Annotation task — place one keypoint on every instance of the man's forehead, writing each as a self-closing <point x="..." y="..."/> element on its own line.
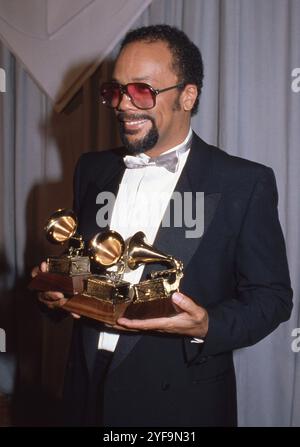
<point x="145" y="50"/>
<point x="143" y="60"/>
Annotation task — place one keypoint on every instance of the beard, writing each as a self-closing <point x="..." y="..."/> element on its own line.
<point x="140" y="145"/>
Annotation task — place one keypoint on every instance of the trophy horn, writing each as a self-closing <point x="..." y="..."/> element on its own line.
<point x="107" y="248"/>
<point x="61" y="226"/>
<point x="140" y="252"/>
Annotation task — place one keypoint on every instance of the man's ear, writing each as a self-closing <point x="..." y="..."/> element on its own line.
<point x="189" y="96"/>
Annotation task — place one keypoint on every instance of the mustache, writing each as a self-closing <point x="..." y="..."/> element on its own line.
<point x="123" y="116"/>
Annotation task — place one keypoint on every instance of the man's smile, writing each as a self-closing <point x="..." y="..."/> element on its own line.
<point x="133" y="123"/>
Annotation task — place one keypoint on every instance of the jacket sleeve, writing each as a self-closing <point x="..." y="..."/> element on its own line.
<point x="58" y="315"/>
<point x="264" y="295"/>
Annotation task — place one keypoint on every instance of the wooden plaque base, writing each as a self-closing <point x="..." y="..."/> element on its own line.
<point x="108" y="312"/>
<point x="69" y="285"/>
<point x="104" y="310"/>
<point x="161" y="307"/>
<point x="100" y="310"/>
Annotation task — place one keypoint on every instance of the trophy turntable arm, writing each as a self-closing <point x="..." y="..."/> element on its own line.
<point x="172" y="274"/>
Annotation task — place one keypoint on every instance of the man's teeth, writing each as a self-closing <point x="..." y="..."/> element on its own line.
<point x="133" y="123"/>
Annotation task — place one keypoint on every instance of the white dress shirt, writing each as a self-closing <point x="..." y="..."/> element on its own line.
<point x="140" y="205"/>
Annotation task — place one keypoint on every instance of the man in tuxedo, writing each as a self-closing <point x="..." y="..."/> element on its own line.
<point x="174" y="371"/>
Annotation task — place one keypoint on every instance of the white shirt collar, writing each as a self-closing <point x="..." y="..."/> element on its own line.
<point x="175" y="148"/>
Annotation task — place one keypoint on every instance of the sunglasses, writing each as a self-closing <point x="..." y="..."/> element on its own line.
<point x="142" y="95"/>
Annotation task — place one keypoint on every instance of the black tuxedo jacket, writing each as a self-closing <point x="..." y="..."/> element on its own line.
<point x="237" y="270"/>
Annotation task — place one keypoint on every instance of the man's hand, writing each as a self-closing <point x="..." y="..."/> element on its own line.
<point x="51" y="299"/>
<point x="192" y="319"/>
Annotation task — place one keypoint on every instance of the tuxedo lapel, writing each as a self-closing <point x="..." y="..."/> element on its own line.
<point x="197" y="177"/>
<point x="125" y="345"/>
<point x="107" y="181"/>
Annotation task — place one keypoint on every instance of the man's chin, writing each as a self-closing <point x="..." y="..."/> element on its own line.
<point x="133" y="145"/>
<point x="137" y="133"/>
<point x="137" y="146"/>
<point x="137" y="142"/>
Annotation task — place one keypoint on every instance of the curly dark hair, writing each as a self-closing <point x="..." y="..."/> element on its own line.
<point x="187" y="59"/>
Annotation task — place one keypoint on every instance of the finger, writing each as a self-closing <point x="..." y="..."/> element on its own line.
<point x="51" y="296"/>
<point x="177" y="309"/>
<point x="52" y="299"/>
<point x="120" y="328"/>
<point x="148" y="324"/>
<point x="35" y="271"/>
<point x="184" y="303"/>
<point x="54" y="304"/>
<point x="43" y="267"/>
<point x="76" y="316"/>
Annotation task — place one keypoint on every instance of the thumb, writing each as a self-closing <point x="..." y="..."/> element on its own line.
<point x="43" y="266"/>
<point x="184" y="302"/>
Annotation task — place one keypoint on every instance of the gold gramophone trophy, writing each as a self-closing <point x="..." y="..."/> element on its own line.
<point x="106" y="297"/>
<point x="65" y="273"/>
<point x="152" y="297"/>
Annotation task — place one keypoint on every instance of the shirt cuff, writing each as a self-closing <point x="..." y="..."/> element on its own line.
<point x="197" y="340"/>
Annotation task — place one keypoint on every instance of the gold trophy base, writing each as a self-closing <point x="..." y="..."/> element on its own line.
<point x="69" y="265"/>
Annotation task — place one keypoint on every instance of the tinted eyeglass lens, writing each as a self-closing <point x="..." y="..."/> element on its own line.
<point x="141" y="95"/>
<point x="111" y="94"/>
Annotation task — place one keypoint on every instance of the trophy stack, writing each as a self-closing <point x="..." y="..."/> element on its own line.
<point x="91" y="275"/>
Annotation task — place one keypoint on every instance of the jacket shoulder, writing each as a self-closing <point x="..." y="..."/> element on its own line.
<point x="94" y="167"/>
<point x="234" y="171"/>
<point x="97" y="160"/>
<point x="234" y="165"/>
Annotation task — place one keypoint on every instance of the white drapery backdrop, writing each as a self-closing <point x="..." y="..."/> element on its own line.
<point x="73" y="35"/>
<point x="248" y="108"/>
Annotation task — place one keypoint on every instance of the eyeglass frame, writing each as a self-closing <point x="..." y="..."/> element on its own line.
<point x="123" y="90"/>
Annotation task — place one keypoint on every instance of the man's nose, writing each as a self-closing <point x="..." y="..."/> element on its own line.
<point x="125" y="102"/>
